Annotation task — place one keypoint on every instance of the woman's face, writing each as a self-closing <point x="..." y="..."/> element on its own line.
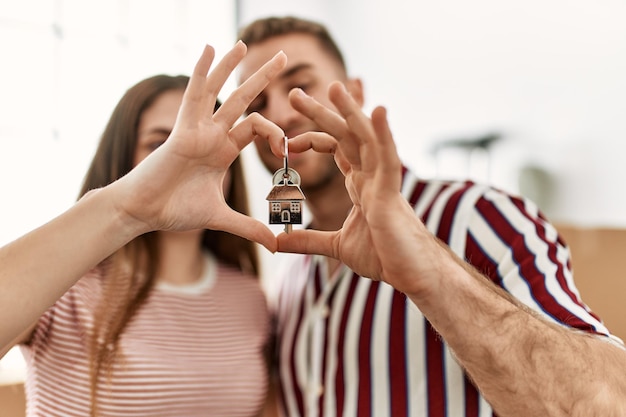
<point x="156" y="123"/>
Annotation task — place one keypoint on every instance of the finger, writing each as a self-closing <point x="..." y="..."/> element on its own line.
<point x="200" y="71"/>
<point x="218" y="76"/>
<point x="248" y="228"/>
<point x="202" y="91"/>
<point x="240" y="99"/>
<point x="308" y="241"/>
<point x="252" y="126"/>
<point x="363" y="134"/>
<point x="194" y="92"/>
<point x="328" y="120"/>
<point x="356" y="120"/>
<point x="389" y="176"/>
<point x="342" y="162"/>
<point x="318" y="141"/>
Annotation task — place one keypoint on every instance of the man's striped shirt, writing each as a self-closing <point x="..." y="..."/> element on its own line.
<point x="349" y="346"/>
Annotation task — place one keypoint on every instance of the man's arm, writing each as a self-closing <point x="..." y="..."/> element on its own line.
<point x="522" y="364"/>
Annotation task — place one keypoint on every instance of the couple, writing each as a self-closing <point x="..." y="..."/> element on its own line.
<point x="141" y="299"/>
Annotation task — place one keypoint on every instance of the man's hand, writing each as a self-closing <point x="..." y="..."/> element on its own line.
<point x="382" y="236"/>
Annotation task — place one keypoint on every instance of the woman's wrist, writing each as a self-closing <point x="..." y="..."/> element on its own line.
<point x="111" y="211"/>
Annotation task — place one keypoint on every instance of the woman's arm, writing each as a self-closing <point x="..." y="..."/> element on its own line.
<point x="37" y="268"/>
<point x="177" y="187"/>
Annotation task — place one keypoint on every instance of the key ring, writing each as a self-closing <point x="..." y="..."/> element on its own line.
<point x="286" y="158"/>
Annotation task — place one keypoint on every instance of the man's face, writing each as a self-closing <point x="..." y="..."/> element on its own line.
<point x="309" y="68"/>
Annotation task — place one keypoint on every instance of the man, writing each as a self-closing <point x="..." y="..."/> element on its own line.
<point x="427" y="333"/>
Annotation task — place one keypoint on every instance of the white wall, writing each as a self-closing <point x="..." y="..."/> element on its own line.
<point x="65" y="64"/>
<point x="549" y="75"/>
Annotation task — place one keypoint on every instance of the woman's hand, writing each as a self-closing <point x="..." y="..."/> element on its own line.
<point x="179" y="186"/>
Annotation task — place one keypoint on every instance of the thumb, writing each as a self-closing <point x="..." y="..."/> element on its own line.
<point x="251" y="229"/>
<point x="308" y="241"/>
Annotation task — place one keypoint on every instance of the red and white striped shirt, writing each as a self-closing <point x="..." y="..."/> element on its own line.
<point x="195" y="350"/>
<point x="349" y="346"/>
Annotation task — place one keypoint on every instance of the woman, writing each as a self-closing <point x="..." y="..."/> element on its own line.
<point x="174" y="322"/>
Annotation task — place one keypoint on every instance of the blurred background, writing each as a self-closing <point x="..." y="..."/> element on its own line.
<point x="527" y="95"/>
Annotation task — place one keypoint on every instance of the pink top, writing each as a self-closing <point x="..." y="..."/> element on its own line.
<point x="195" y="350"/>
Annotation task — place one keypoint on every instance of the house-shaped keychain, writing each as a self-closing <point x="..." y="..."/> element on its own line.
<point x="285" y="199"/>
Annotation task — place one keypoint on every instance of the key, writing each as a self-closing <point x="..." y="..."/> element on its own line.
<point x="286" y="198"/>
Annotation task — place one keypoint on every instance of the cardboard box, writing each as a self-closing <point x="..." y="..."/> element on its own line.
<point x="12" y="400"/>
<point x="599" y="266"/>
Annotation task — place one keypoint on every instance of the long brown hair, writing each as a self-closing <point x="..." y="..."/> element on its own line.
<point x="129" y="274"/>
